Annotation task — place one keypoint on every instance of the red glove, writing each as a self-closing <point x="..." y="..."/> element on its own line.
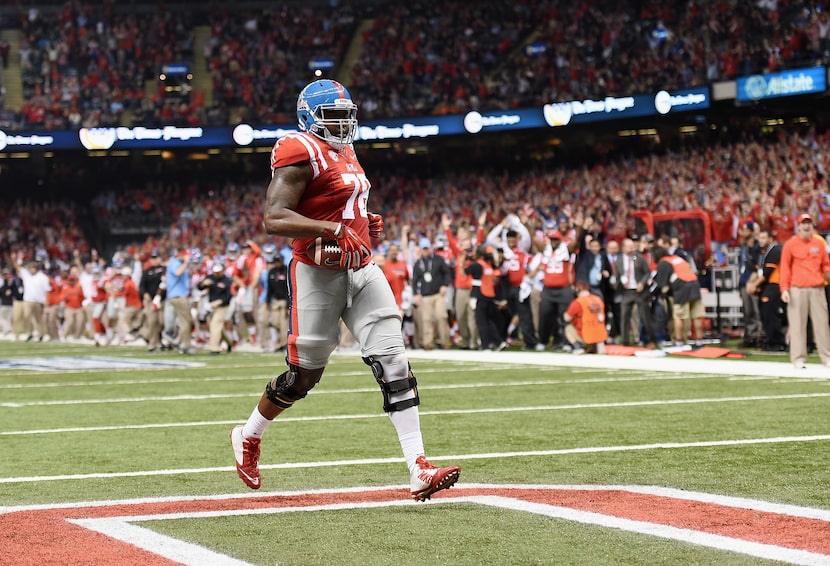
<point x="375" y="226"/>
<point x="353" y="248"/>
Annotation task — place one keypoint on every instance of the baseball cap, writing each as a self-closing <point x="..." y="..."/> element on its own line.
<point x="805" y="218"/>
<point x="554" y="234"/>
<point x="217" y="267"/>
<point x="564" y="218"/>
<point x="154" y="252"/>
<point x="424" y="243"/>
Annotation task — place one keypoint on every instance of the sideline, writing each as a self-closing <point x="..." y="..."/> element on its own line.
<point x="633" y="363"/>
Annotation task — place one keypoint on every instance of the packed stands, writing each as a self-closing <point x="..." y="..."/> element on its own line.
<point x="92" y="65"/>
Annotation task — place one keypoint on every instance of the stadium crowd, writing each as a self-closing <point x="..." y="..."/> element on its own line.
<point x="509" y="223"/>
<point x="90" y="64"/>
<point x="477" y="259"/>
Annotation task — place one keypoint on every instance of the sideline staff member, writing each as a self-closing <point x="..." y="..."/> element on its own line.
<point x="805" y="268"/>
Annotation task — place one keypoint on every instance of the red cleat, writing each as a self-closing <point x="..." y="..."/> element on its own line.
<point x="246" y="453"/>
<point x="429" y="478"/>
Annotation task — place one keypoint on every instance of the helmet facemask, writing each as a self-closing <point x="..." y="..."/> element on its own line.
<point x="326" y="110"/>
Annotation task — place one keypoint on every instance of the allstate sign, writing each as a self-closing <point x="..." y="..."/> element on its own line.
<point x="794" y="82"/>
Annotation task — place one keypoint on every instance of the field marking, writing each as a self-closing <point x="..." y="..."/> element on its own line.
<point x="165" y="546"/>
<point x="508" y="497"/>
<point x="221" y="378"/>
<point x="699" y="538"/>
<point x="279" y="363"/>
<point x="442" y="387"/>
<point x="671" y="492"/>
<point x="358" y="416"/>
<point x="634" y="376"/>
<point x="454" y="457"/>
<point x="670" y="364"/>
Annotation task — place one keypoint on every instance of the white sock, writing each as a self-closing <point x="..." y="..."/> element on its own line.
<point x="256" y="425"/>
<point x="408" y="425"/>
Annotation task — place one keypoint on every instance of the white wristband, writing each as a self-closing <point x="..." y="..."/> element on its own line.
<point x="339" y="230"/>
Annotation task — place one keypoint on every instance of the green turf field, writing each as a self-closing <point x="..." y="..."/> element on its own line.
<point x="88" y="426"/>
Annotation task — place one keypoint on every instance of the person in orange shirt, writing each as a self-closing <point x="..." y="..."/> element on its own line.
<point x="461" y="248"/>
<point x="51" y="312"/>
<point x="129" y="319"/>
<point x="483" y="297"/>
<point x="246" y="276"/>
<point x="396" y="272"/>
<point x="72" y="297"/>
<point x="585" y="320"/>
<point x="805" y="268"/>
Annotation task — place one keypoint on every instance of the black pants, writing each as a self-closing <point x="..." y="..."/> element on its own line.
<point x="772" y="316"/>
<point x="487" y="321"/>
<point x="555" y="301"/>
<point x="642" y="301"/>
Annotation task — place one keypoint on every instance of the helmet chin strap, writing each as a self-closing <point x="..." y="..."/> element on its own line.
<point x="337" y="142"/>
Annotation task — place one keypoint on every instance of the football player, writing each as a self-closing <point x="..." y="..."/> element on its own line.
<point x="318" y="196"/>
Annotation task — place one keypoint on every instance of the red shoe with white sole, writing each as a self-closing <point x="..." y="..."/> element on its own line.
<point x="246" y="453"/>
<point x="429" y="478"/>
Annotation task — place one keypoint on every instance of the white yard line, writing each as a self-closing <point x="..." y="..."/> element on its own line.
<point x="672" y="364"/>
<point x="486" y="410"/>
<point x="123" y="529"/>
<point x="454" y="457"/>
<point x="26" y="384"/>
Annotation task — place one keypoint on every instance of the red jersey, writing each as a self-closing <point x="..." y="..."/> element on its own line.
<point x="558" y="268"/>
<point x="462" y="280"/>
<point x="338" y="190"/>
<point x="249" y="266"/>
<point x="131" y="296"/>
<point x="72" y="295"/>
<point x="101" y="295"/>
<point x="53" y="296"/>
<point x="397" y="273"/>
<point x="516" y="268"/>
<point x="783" y="226"/>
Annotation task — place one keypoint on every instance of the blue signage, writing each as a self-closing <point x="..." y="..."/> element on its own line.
<point x="322" y="64"/>
<point x="550" y="115"/>
<point x="616" y="108"/>
<point x="794" y="82"/>
<point x="175" y="69"/>
<point x="534" y="49"/>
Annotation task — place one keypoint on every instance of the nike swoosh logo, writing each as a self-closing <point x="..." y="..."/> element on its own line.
<point x="254" y="481"/>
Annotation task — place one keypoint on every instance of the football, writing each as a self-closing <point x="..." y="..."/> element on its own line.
<point x="325" y="253"/>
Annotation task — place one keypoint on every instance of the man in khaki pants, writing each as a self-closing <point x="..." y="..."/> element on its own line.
<point x="805" y="269"/>
<point x="35" y="287"/>
<point x="431" y="278"/>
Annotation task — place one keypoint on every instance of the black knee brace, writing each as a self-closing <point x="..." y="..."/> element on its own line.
<point x="392" y="387"/>
<point x="282" y="391"/>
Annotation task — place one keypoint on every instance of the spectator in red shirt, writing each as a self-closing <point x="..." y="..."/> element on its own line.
<point x="130" y="316"/>
<point x="397" y="273"/>
<point x="72" y="297"/>
<point x="52" y="309"/>
<point x="805" y="269"/>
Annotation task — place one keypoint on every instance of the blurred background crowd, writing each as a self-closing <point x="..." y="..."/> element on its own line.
<point x="89" y="64"/>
